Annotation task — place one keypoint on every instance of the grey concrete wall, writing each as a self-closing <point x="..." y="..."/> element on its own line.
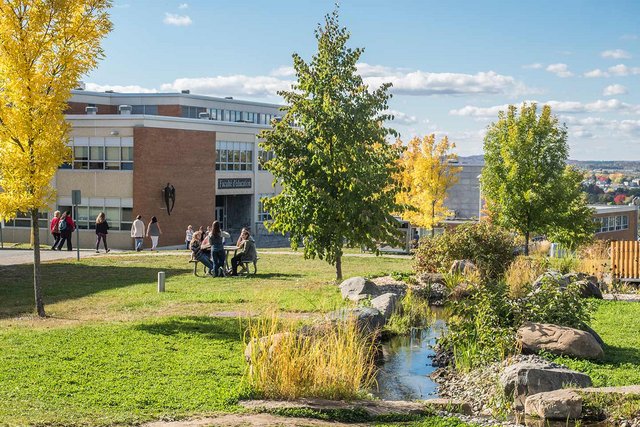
<point x="464" y="197"/>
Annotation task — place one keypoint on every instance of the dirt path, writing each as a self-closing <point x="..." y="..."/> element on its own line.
<point x="250" y="420"/>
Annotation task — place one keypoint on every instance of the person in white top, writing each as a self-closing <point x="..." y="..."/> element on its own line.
<point x="137" y="232"/>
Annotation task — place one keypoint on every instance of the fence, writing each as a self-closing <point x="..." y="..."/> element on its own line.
<point x="625" y="259"/>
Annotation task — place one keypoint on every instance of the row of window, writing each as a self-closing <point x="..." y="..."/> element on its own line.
<point x="263" y="215"/>
<point x="101" y="153"/>
<point x="234" y="156"/>
<point x="611" y="223"/>
<point x="118" y="218"/>
<point x="225" y="115"/>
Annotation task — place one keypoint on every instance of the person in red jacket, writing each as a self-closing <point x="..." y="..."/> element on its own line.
<point x="55" y="231"/>
<point x="66" y="227"/>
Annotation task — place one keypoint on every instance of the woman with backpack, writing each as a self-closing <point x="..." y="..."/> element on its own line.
<point x="55" y="230"/>
<point x="102" y="229"/>
<point x="66" y="227"/>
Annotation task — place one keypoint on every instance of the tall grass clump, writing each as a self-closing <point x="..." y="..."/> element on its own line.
<point x="332" y="361"/>
<point x="522" y="272"/>
<point x="565" y="264"/>
<point x="595" y="259"/>
<point x="411" y="312"/>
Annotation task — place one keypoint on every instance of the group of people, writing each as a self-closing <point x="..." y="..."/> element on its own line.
<point x="208" y="248"/>
<point x="153" y="231"/>
<point x="62" y="226"/>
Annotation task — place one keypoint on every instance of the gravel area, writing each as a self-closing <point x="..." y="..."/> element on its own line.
<point x="622" y="297"/>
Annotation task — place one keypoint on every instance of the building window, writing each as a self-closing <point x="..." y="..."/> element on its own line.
<point x="234" y="156"/>
<point x="190" y="112"/>
<point x="149" y="110"/>
<point x="119" y="218"/>
<point x="263" y="157"/>
<point x="23" y="220"/>
<point x="98" y="153"/>
<point x="612" y="223"/>
<point x="263" y="215"/>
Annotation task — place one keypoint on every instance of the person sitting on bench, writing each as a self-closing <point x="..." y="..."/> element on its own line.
<point x="198" y="253"/>
<point x="247" y="251"/>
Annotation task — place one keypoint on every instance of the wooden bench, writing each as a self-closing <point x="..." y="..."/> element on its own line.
<point x="195" y="267"/>
<point x="245" y="265"/>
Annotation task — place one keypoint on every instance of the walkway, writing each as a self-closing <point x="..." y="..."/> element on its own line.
<point x="25" y="256"/>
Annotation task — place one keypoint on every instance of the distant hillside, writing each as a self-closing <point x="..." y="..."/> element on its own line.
<point x="609" y="165"/>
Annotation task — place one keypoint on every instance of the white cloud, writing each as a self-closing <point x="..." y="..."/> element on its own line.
<point x="183" y="6"/>
<point x="596" y="73"/>
<point x="177" y="20"/>
<point x="556" y="106"/>
<point x="259" y="86"/>
<point x="94" y="87"/>
<point x="616" y="89"/>
<point x="560" y="70"/>
<point x="615" y="54"/>
<point x="623" y="70"/>
<point x="534" y="66"/>
<point x="402" y="118"/>
<point x="284" y="71"/>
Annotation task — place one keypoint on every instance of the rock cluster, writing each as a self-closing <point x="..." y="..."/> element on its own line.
<point x="589" y="286"/>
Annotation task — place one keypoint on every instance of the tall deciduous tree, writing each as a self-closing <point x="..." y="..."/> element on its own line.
<point x="427" y="172"/>
<point x="525" y="180"/>
<point x="331" y="155"/>
<point x="46" y="46"/>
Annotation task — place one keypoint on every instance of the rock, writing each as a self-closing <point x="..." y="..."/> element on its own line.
<point x="463" y="266"/>
<point x="525" y="379"/>
<point x="461" y="291"/>
<point x="367" y="318"/>
<point x="560" y="340"/>
<point x="270" y="342"/>
<point x="589" y="290"/>
<point x="385" y="304"/>
<point x="597" y="337"/>
<point x="555" y="405"/>
<point x="450" y="405"/>
<point x="551" y="275"/>
<point x="357" y="288"/>
<point x="588" y="284"/>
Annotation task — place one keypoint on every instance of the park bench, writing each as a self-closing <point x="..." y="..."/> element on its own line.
<point x="245" y="267"/>
<point x="195" y="267"/>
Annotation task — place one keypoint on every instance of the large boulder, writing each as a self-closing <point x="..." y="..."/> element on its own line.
<point x="431" y="287"/>
<point x="358" y="288"/>
<point x="524" y="379"/>
<point x="589" y="286"/>
<point x="560" y="340"/>
<point x="463" y="266"/>
<point x="554" y="405"/>
<point x="385" y="304"/>
<point x="367" y="318"/>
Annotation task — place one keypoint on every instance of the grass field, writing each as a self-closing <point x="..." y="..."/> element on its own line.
<point x="114" y="351"/>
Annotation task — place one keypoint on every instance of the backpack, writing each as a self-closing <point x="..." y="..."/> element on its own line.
<point x="62" y="225"/>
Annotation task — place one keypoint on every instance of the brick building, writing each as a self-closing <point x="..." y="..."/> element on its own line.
<point x="127" y="147"/>
<point x="616" y="222"/>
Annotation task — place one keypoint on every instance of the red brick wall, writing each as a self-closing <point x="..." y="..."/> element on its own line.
<point x="170" y="110"/>
<point x="79" y="108"/>
<point x="186" y="160"/>
<point x="629" y="234"/>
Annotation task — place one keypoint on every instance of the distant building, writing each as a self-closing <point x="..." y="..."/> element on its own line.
<point x="616" y="222"/>
<point x="463" y="199"/>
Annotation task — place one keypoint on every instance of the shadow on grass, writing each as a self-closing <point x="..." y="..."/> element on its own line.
<point x="214" y="328"/>
<point x="67" y="281"/>
<point x="615" y="355"/>
<point x="274" y="275"/>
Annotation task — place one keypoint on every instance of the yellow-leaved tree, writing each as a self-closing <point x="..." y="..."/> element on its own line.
<point x="46" y="46"/>
<point x="427" y="172"/>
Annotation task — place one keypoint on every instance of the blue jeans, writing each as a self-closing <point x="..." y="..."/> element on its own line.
<point x="204" y="259"/>
<point x="139" y="241"/>
<point x="218" y="260"/>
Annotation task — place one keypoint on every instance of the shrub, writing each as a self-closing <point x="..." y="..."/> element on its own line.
<point x="333" y="362"/>
<point x="411" y="312"/>
<point x="595" y="259"/>
<point x="522" y="272"/>
<point x="565" y="264"/>
<point x="490" y="248"/>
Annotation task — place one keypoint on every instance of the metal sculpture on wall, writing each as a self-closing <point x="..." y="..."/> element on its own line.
<point x="169" y="193"/>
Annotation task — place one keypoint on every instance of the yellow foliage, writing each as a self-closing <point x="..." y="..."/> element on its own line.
<point x="47" y="46"/>
<point x="426" y="174"/>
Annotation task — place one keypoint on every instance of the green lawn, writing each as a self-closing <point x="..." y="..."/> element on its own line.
<point x="618" y="323"/>
<point x="114" y="351"/>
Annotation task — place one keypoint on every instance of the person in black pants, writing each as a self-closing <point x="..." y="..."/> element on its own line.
<point x="66" y="227"/>
<point x="102" y="229"/>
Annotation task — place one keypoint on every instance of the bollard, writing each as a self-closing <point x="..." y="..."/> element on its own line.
<point x="160" y="281"/>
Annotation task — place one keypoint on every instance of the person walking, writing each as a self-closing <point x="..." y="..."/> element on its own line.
<point x="66" y="225"/>
<point x="137" y="232"/>
<point x="154" y="231"/>
<point x="188" y="236"/>
<point x="55" y="230"/>
<point x="102" y="229"/>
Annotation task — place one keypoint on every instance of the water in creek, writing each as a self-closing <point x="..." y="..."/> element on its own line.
<point x="406" y="365"/>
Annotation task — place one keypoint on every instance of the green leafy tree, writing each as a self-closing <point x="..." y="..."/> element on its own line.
<point x="525" y="180"/>
<point x="331" y="155"/>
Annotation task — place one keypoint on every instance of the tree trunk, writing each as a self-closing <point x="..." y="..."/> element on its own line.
<point x="35" y="236"/>
<point x="433" y="218"/>
<point x="339" y="267"/>
<point x="526" y="243"/>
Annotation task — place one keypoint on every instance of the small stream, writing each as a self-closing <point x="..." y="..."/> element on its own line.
<point x="406" y="365"/>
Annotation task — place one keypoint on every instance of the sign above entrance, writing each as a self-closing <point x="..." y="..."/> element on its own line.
<point x="229" y="183"/>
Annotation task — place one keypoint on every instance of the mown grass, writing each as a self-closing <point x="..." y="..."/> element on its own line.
<point x="123" y="287"/>
<point x="618" y="324"/>
<point x="120" y="373"/>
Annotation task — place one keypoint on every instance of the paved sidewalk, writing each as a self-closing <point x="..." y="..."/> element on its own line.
<point x="25" y="256"/>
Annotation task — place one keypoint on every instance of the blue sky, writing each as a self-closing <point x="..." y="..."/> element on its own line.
<point x="453" y="64"/>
